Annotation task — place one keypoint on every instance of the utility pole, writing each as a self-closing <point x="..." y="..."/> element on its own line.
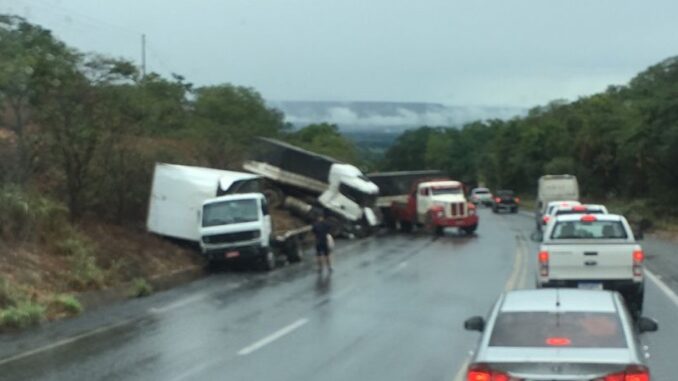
<point x="143" y="55"/>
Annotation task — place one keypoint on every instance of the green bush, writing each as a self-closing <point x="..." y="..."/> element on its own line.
<point x="141" y="288"/>
<point x="22" y="315"/>
<point x="28" y="217"/>
<point x="85" y="273"/>
<point x="9" y="295"/>
<point x="67" y="303"/>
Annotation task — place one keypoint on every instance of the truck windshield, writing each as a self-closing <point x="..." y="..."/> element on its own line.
<point x="565" y="329"/>
<point x="446" y="190"/>
<point x="230" y="212"/>
<point x="589" y="230"/>
<point x="359" y="197"/>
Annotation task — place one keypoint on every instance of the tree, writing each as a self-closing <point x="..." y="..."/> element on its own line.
<point x="226" y="119"/>
<point x="77" y="118"/>
<point x="325" y="138"/>
<point x="31" y="57"/>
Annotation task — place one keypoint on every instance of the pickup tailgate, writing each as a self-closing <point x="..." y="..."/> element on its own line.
<point x="591" y="261"/>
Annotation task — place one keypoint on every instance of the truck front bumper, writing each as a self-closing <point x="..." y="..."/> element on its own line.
<point x="456" y="222"/>
<point x="235" y="253"/>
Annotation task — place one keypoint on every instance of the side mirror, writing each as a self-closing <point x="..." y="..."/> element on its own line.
<point x="476" y="323"/>
<point x="647" y="325"/>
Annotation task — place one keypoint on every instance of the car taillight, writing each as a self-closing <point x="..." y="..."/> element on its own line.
<point x="545" y="219"/>
<point x="497" y="199"/>
<point x="638" y="259"/>
<point x="544" y="263"/>
<point x="632" y="373"/>
<point x="517" y="200"/>
<point x="488" y="375"/>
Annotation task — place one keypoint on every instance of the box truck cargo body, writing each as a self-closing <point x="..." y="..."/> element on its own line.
<point x="223" y="212"/>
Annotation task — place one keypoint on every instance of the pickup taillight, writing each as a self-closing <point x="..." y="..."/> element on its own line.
<point x="638" y="259"/>
<point x="543" y="263"/>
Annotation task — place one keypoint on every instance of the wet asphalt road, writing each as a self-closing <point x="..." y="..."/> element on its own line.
<point x="393" y="310"/>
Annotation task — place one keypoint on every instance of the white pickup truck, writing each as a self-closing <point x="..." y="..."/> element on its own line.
<point x="593" y="251"/>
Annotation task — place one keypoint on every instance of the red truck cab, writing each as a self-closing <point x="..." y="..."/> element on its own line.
<point x="437" y="204"/>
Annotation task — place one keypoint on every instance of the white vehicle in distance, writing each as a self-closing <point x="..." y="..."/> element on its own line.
<point x="559" y="334"/>
<point x="594" y="251"/>
<point x="580" y="209"/>
<point x="552" y="188"/>
<point x="551" y="208"/>
<point x="481" y="196"/>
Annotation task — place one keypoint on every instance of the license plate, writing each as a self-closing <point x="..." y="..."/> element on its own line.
<point x="232" y="254"/>
<point x="590" y="285"/>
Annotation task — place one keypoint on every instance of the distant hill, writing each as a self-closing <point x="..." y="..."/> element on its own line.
<point x="388" y="117"/>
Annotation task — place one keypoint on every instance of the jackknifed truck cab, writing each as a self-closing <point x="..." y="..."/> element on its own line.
<point x="315" y="183"/>
<point x="221" y="212"/>
<point x="436" y="204"/>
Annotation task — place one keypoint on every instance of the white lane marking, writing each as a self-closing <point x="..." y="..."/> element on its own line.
<point x="662" y="286"/>
<point x="190" y="374"/>
<point x="400" y="266"/>
<point x="514" y="278"/>
<point x="178" y="304"/>
<point x="63" y="342"/>
<point x="273" y="337"/>
<point x="461" y="373"/>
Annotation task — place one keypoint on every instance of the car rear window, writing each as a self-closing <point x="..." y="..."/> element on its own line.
<point x="589" y="230"/>
<point x="482" y="191"/>
<point x="565" y="330"/>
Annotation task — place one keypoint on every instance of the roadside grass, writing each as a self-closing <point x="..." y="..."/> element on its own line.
<point x="22" y="315"/>
<point x="64" y="305"/>
<point x="140" y="288"/>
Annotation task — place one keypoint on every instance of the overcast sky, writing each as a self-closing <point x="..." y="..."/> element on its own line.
<point x="472" y="52"/>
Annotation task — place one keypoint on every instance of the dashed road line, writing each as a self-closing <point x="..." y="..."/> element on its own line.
<point x="272" y="337"/>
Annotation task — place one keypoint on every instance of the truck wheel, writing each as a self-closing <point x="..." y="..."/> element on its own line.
<point x="405" y="226"/>
<point x="440" y="231"/>
<point x="268" y="261"/>
<point x="635" y="303"/>
<point x="470" y="229"/>
<point x="274" y="196"/>
<point x="295" y="251"/>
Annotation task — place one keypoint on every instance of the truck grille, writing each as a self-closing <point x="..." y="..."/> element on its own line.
<point x="456" y="209"/>
<point x="231" y="237"/>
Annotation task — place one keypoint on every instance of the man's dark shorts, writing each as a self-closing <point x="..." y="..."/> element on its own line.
<point x="321" y="249"/>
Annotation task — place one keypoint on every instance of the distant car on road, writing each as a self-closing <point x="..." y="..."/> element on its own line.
<point x="550" y="209"/>
<point x="505" y="199"/>
<point x="597" y="251"/>
<point x="559" y="334"/>
<point x="481" y="196"/>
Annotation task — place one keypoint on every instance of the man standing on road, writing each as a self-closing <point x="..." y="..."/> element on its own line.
<point x="321" y="230"/>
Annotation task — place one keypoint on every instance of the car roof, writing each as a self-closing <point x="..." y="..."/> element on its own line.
<point x="481" y="189"/>
<point x="599" y="217"/>
<point x="558" y="300"/>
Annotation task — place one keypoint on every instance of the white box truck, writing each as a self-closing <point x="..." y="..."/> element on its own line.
<point x="221" y="211"/>
<point x="554" y="188"/>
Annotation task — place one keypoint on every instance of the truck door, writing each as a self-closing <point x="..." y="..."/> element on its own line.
<point x="423" y="202"/>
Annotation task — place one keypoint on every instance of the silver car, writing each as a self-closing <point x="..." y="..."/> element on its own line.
<point x="559" y="334"/>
